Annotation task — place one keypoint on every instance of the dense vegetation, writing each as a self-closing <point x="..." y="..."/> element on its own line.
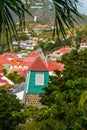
<point x="65" y="98"/>
<point x="63" y="18"/>
<point x="10" y="111"/>
<point x="15" y="77"/>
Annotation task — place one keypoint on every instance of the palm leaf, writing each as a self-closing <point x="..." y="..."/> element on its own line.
<point x="83" y="100"/>
<point x="6" y="18"/>
<point x="65" y="10"/>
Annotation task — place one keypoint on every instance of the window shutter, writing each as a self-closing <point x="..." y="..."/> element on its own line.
<point x="39" y="79"/>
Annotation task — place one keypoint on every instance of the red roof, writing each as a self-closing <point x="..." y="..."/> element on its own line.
<point x="1" y="68"/>
<point x="4" y="82"/>
<point x="22" y="72"/>
<point x="33" y="54"/>
<point x="54" y="66"/>
<point x="29" y="60"/>
<point x="38" y="65"/>
<point x="22" y="61"/>
<point x="65" y="49"/>
<point x="42" y="26"/>
<point x="3" y="59"/>
<point x="17" y="62"/>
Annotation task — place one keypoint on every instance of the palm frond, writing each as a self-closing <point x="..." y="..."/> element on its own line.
<point x="65" y="10"/>
<point x="83" y="100"/>
<point x="7" y="7"/>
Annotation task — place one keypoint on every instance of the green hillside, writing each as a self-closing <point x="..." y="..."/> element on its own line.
<point x="45" y="12"/>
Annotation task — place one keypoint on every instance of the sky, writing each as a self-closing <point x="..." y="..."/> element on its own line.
<point x="83" y="8"/>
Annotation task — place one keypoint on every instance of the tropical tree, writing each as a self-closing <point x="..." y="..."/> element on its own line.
<point x="7" y="22"/>
<point x="10" y="109"/>
<point x="65" y="10"/>
<point x="15" y="77"/>
<point x="66" y="95"/>
<point x="64" y="15"/>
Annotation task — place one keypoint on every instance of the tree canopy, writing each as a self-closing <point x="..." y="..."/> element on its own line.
<point x="10" y="111"/>
<point x="64" y="94"/>
<point x="65" y="97"/>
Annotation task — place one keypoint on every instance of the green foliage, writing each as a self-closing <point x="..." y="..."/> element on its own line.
<point x="15" y="77"/>
<point x="82" y="103"/>
<point x="23" y="37"/>
<point x="49" y="124"/>
<point x="48" y="46"/>
<point x="7" y="21"/>
<point x="31" y="112"/>
<point x="81" y="34"/>
<point x="67" y="91"/>
<point x="64" y="97"/>
<point x="4" y="71"/>
<point x="29" y="126"/>
<point x="64" y="15"/>
<point x="9" y="105"/>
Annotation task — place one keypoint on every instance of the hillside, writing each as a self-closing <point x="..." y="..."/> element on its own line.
<point x="45" y="13"/>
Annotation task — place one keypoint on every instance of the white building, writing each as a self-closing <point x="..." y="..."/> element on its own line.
<point x="83" y="45"/>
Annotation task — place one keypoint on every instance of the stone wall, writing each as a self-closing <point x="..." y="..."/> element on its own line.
<point x="32" y="99"/>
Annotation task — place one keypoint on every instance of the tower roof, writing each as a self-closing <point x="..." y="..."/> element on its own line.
<point x="38" y="65"/>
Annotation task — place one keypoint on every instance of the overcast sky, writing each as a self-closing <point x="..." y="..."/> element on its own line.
<point x="83" y="9"/>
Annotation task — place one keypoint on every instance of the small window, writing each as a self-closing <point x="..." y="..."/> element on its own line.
<point x="82" y="44"/>
<point x="39" y="79"/>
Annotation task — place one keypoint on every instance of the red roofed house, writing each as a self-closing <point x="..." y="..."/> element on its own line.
<point x="1" y="69"/>
<point x="54" y="66"/>
<point x="39" y="27"/>
<point x="3" y="60"/>
<point x="83" y="45"/>
<point x="62" y="51"/>
<point x="21" y="65"/>
<point x="37" y="78"/>
<point x="33" y="54"/>
<point x="4" y="81"/>
<point x="28" y="44"/>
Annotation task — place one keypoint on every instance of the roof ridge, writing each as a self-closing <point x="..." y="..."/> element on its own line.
<point x="38" y="65"/>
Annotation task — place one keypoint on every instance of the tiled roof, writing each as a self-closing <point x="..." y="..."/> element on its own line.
<point x="38" y="65"/>
<point x="22" y="72"/>
<point x="54" y="66"/>
<point x="1" y="66"/>
<point x="64" y="49"/>
<point x="22" y="61"/>
<point x="42" y="26"/>
<point x="33" y="54"/>
<point x="3" y="59"/>
<point x="17" y="62"/>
